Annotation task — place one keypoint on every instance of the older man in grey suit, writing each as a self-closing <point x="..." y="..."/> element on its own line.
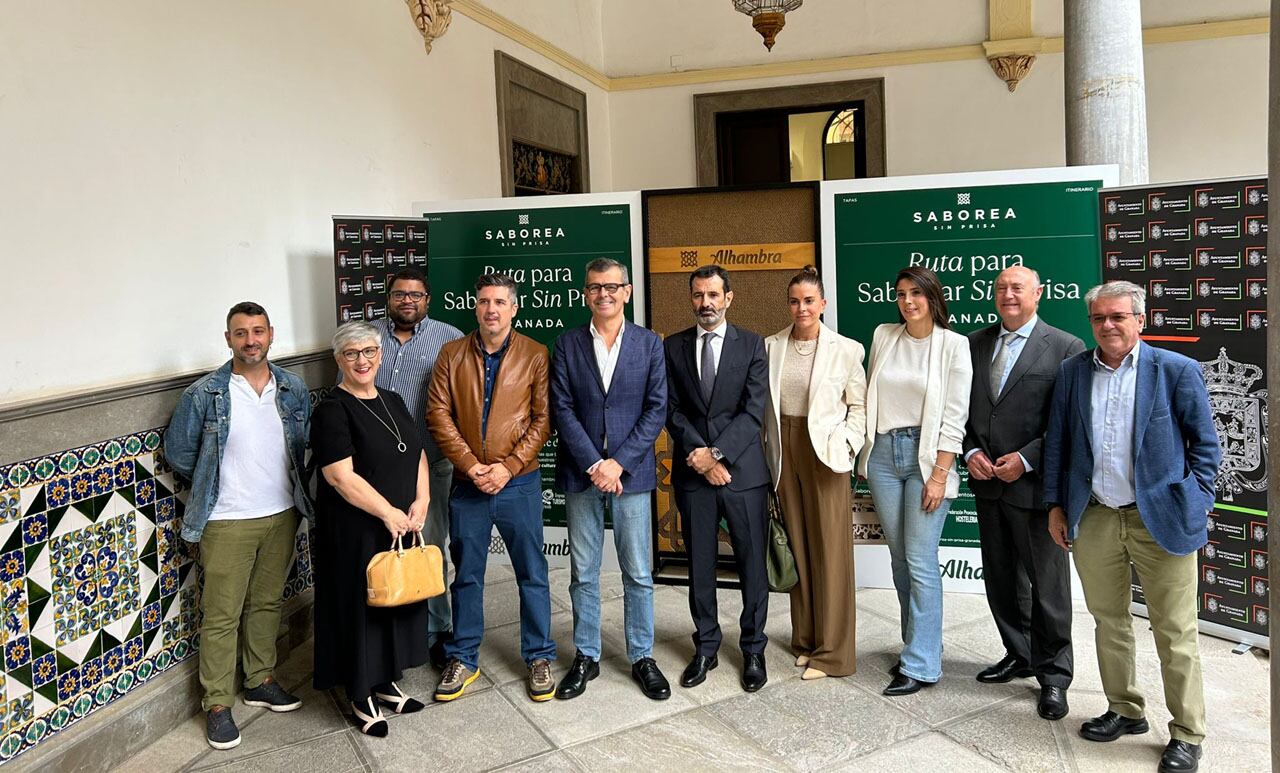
<point x="1015" y="365"/>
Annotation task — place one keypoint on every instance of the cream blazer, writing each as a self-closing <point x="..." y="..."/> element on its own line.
<point x="946" y="398"/>
<point x="837" y="400"/>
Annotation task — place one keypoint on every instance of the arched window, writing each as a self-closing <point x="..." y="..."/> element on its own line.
<point x="840" y="128"/>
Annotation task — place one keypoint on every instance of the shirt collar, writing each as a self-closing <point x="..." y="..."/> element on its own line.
<point x="596" y="333"/>
<point x="1131" y="357"/>
<point x="1025" y="330"/>
<point x="501" y="349"/>
<point x="718" y="330"/>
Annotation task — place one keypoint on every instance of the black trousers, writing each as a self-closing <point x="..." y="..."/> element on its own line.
<point x="1016" y="547"/>
<point x="701" y="509"/>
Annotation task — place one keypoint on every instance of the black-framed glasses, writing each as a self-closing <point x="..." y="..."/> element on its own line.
<point x="411" y="295"/>
<point x="595" y="288"/>
<point x="1115" y="319"/>
<point x="369" y="352"/>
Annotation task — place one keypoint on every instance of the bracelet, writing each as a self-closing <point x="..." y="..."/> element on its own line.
<point x="935" y="480"/>
<point x="940" y="467"/>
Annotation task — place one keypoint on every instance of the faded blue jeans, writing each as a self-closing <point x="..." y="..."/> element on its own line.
<point x="893" y="475"/>
<point x="633" y="537"/>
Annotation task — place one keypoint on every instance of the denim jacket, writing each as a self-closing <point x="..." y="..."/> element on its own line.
<point x="197" y="435"/>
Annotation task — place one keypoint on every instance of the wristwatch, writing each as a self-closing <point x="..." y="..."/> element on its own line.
<point x="716" y="453"/>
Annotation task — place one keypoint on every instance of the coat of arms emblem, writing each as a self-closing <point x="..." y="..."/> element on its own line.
<point x="1240" y="416"/>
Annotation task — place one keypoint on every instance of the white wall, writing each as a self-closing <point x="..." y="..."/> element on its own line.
<point x="1206" y="107"/>
<point x="163" y="159"/>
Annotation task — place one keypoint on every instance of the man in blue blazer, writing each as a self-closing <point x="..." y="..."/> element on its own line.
<point x="608" y="404"/>
<point x="1130" y="459"/>
<point x="719" y="388"/>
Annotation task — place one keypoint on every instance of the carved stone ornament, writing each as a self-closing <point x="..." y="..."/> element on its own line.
<point x="1012" y="68"/>
<point x="432" y="18"/>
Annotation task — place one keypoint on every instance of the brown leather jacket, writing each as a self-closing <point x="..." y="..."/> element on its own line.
<point x="519" y="421"/>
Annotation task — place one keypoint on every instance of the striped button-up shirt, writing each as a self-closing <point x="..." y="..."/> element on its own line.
<point x="406" y="369"/>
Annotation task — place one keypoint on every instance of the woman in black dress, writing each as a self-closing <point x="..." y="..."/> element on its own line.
<point x="374" y="487"/>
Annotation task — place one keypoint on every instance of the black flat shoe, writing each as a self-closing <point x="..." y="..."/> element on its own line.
<point x="1008" y="669"/>
<point x="696" y="672"/>
<point x="753" y="672"/>
<point x="1053" y="702"/>
<point x="574" y="683"/>
<point x="1180" y="757"/>
<point x="903" y="685"/>
<point x="652" y="683"/>
<point x="1111" y="726"/>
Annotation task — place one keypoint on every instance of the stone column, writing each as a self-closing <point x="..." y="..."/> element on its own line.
<point x="1273" y="369"/>
<point x="1105" y="86"/>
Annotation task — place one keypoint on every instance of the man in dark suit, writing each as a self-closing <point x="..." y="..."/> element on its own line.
<point x="1015" y="365"/>
<point x="608" y="404"/>
<point x="1130" y="459"/>
<point x="718" y="382"/>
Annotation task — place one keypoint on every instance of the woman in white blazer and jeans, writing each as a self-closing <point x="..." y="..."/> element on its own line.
<point x="917" y="405"/>
<point x="813" y="433"/>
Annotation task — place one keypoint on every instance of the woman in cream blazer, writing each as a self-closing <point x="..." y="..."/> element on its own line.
<point x="917" y="406"/>
<point x="813" y="432"/>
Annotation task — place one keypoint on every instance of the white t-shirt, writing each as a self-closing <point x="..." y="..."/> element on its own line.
<point x="253" y="480"/>
<point x="902" y="382"/>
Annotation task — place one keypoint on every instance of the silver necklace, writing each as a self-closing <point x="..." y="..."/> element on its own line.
<point x="393" y="428"/>
<point x="807" y="350"/>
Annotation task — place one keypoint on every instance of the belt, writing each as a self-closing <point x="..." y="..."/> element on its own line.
<point x="1093" y="502"/>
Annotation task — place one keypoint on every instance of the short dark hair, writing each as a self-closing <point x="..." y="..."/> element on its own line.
<point x="409" y="274"/>
<point x="601" y="265"/>
<point x="928" y="283"/>
<point x="808" y="276"/>
<point x="708" y="271"/>
<point x="499" y="279"/>
<point x="250" y="308"/>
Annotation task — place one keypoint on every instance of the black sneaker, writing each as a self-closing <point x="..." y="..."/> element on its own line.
<point x="272" y="696"/>
<point x="220" y="729"/>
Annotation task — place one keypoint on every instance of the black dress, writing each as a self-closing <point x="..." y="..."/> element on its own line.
<point x="357" y="646"/>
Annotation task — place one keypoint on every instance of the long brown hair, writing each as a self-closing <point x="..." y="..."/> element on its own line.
<point x="928" y="283"/>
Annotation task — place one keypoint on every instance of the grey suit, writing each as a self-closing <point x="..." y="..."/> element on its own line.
<point x="1012" y="519"/>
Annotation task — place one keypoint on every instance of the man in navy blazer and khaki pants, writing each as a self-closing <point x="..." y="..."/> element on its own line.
<point x="1130" y="459"/>
<point x="718" y="379"/>
<point x="608" y="403"/>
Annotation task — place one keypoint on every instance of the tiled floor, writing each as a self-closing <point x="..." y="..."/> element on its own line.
<point x="830" y="724"/>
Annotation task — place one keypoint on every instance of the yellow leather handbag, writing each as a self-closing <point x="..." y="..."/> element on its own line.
<point x="403" y="575"/>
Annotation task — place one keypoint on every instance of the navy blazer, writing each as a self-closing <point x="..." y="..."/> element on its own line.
<point x="631" y="412"/>
<point x="732" y="420"/>
<point x="1176" y="452"/>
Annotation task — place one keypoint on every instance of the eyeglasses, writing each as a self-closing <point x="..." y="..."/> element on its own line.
<point x="1115" y="319"/>
<point x="595" y="288"/>
<point x="351" y="355"/>
<point x="414" y="295"/>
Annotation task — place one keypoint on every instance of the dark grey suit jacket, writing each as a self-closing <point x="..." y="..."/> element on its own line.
<point x="1018" y="418"/>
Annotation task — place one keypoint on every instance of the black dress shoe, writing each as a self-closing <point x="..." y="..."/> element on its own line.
<point x="1053" y="702"/>
<point x="574" y="683"/>
<point x="893" y="670"/>
<point x="652" y="683"/>
<point x="903" y="685"/>
<point x="696" y="672"/>
<point x="753" y="673"/>
<point x="1008" y="669"/>
<point x="1180" y="757"/>
<point x="436" y="652"/>
<point x="1111" y="726"/>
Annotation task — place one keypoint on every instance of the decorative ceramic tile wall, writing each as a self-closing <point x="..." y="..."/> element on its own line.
<point x="98" y="592"/>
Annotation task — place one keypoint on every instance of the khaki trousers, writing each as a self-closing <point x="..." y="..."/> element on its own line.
<point x="1107" y="542"/>
<point x="245" y="565"/>
<point x="816" y="511"/>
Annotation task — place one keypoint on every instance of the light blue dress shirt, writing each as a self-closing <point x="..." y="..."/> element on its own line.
<point x="1015" y="346"/>
<point x="1113" y="407"/>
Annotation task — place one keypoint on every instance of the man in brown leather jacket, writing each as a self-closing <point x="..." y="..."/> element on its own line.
<point x="487" y="409"/>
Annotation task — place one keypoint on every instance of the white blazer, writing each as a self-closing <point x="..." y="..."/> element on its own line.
<point x="946" y="398"/>
<point x="837" y="400"/>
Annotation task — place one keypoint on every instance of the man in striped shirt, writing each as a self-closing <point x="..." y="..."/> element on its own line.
<point x="410" y="343"/>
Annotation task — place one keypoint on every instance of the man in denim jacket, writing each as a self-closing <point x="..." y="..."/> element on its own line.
<point x="238" y="435"/>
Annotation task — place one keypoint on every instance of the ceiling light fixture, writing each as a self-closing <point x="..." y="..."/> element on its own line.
<point x="767" y="16"/>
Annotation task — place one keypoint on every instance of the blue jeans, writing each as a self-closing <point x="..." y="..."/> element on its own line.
<point x="633" y="537"/>
<point x="517" y="512"/>
<point x="893" y="474"/>
<point x="435" y="531"/>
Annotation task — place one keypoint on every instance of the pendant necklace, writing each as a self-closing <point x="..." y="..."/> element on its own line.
<point x="393" y="428"/>
<point x="809" y="346"/>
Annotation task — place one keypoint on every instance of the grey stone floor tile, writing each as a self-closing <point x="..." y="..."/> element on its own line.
<point x="554" y="762"/>
<point x="670" y="615"/>
<point x="267" y="731"/>
<point x="1013" y="735"/>
<point x="612" y="702"/>
<point x="330" y="754"/>
<point x="176" y="749"/>
<point x="956" y="694"/>
<point x="930" y="751"/>
<point x="816" y="725"/>
<point x="693" y="740"/>
<point x="502" y="604"/>
<point x="880" y="601"/>
<point x="473" y="733"/>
